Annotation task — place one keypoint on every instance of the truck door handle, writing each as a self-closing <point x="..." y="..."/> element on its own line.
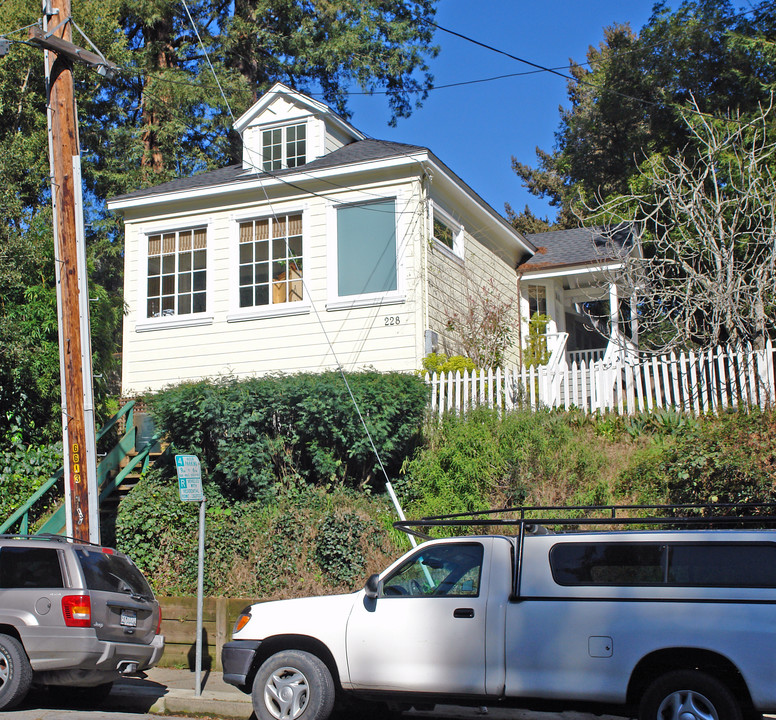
<point x="463" y="613"/>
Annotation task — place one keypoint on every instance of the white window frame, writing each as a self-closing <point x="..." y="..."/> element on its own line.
<point x="145" y="324"/>
<point x="389" y="297"/>
<point x="257" y="312"/>
<point x="528" y="286"/>
<point x="284" y="127"/>
<point x="457" y="228"/>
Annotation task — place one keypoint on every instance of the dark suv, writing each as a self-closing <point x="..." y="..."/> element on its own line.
<point x="71" y="614"/>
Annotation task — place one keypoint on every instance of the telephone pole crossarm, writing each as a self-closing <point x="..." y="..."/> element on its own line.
<point x="72" y="52"/>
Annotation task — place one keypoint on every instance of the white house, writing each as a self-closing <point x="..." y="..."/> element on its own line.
<point x="322" y="248"/>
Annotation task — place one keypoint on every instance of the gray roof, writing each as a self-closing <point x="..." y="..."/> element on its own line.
<point x="579" y="246"/>
<point x="354" y="153"/>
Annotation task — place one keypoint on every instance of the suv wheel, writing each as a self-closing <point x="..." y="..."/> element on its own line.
<point x="293" y="685"/>
<point x="15" y="672"/>
<point x="688" y="695"/>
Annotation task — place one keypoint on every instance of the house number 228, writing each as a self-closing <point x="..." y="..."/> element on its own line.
<point x="393" y="320"/>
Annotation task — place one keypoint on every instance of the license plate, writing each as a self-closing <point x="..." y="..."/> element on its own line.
<point x="129" y="618"/>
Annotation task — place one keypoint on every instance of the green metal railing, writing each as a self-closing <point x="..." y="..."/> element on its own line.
<point x="106" y="484"/>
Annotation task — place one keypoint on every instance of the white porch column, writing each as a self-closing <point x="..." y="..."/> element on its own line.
<point x="614" y="315"/>
<point x="634" y="319"/>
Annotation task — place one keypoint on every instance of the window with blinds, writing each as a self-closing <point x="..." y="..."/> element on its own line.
<point x="177" y="273"/>
<point x="271" y="261"/>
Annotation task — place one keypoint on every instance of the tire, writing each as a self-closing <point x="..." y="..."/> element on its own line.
<point x="293" y="685"/>
<point x="15" y="672"/>
<point x="688" y="695"/>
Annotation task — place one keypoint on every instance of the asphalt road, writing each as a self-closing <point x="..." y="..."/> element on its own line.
<point x="52" y="714"/>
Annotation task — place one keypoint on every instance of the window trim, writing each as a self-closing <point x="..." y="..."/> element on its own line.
<point x="528" y="287"/>
<point x="457" y="228"/>
<point x="145" y="324"/>
<point x="363" y="300"/>
<point x="240" y="314"/>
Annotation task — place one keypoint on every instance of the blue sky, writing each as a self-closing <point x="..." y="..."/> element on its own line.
<point x="475" y="129"/>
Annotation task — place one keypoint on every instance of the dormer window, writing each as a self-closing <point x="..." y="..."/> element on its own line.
<point x="284" y="147"/>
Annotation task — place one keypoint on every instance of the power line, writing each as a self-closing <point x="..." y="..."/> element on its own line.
<point x="579" y="81"/>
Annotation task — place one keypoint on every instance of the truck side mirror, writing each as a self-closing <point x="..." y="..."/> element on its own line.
<point x="372" y="586"/>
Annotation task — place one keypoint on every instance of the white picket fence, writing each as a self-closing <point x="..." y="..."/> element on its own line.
<point x="693" y="383"/>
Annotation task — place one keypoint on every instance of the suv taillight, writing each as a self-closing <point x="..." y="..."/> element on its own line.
<point x="159" y="624"/>
<point x="77" y="610"/>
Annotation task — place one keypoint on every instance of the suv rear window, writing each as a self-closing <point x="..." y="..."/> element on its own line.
<point x="675" y="564"/>
<point x="112" y="573"/>
<point x="30" y="567"/>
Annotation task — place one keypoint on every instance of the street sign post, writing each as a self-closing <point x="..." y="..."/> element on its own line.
<point x="190" y="488"/>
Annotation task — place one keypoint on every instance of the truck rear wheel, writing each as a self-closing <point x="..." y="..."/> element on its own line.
<point x="293" y="685"/>
<point x="688" y="695"/>
<point x="15" y="672"/>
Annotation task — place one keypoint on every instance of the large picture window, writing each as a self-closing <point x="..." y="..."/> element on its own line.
<point x="177" y="273"/>
<point x="284" y="147"/>
<point x="271" y="261"/>
<point x="366" y="249"/>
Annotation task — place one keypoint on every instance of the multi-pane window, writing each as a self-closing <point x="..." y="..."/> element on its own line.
<point x="284" y="147"/>
<point x="366" y="248"/>
<point x="271" y="261"/>
<point x="177" y="273"/>
<point x="537" y="300"/>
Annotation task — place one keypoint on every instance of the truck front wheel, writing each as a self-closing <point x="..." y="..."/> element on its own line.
<point x="293" y="685"/>
<point x="688" y="695"/>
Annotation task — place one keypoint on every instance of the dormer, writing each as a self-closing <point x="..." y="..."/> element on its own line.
<point x="286" y="129"/>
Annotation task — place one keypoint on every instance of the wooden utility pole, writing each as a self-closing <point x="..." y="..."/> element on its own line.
<point x="72" y="289"/>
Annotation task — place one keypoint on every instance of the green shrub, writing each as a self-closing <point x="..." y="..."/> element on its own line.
<point x="440" y="363"/>
<point x="726" y="459"/>
<point x="536" y="351"/>
<point x="486" y="460"/>
<point x="309" y="540"/>
<point x="23" y="469"/>
<point x="251" y="434"/>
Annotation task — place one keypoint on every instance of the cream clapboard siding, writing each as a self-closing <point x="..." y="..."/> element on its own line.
<point x="452" y="280"/>
<point x="156" y="358"/>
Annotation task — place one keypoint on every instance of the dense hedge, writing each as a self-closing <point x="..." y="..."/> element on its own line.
<point x="252" y="434"/>
<point x="302" y="530"/>
<point x="310" y="540"/>
<point x="23" y="469"/>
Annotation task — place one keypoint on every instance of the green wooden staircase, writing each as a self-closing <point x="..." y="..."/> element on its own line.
<point x="117" y="470"/>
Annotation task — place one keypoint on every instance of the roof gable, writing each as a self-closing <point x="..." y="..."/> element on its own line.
<point x="282" y="107"/>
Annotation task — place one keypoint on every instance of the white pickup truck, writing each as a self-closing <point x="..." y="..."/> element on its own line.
<point x="668" y="625"/>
